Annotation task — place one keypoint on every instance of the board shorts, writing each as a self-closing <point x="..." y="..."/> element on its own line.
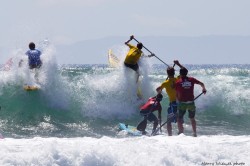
<point x="134" y="67"/>
<point x="186" y="106"/>
<point x="149" y="115"/>
<point x="35" y="65"/>
<point x="172" y="112"/>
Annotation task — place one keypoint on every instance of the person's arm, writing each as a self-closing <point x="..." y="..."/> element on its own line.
<point x="176" y="62"/>
<point x="203" y="87"/>
<point x="159" y="89"/>
<point x="151" y="55"/>
<point x="27" y="53"/>
<point x="147" y="56"/>
<point x="131" y="38"/>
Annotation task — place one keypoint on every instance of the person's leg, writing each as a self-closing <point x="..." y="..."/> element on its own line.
<point x="193" y="122"/>
<point x="170" y="119"/>
<point x="134" y="67"/>
<point x="174" y="107"/>
<point x="36" y="74"/>
<point x="142" y="125"/>
<point x="137" y="76"/>
<point x="32" y="66"/>
<point x="153" y="118"/>
<point x="180" y="125"/>
<point x="180" y="121"/>
<point x="155" y="124"/>
<point x="169" y="128"/>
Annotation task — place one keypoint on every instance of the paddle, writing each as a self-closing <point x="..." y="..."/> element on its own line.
<point x="151" y="52"/>
<point x="142" y="125"/>
<point x="198" y="96"/>
<point x="170" y="116"/>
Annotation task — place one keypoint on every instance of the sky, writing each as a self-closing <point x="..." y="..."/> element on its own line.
<point x="70" y="21"/>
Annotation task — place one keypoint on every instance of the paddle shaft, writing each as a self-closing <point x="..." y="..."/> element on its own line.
<point x="151" y="52"/>
<point x="198" y="96"/>
<point x="160" y="125"/>
<point x="159" y="128"/>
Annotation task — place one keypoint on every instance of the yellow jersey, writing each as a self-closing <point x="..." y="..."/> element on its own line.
<point x="133" y="55"/>
<point x="169" y="86"/>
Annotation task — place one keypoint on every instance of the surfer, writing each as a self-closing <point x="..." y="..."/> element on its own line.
<point x="185" y="97"/>
<point x="147" y="110"/>
<point x="34" y="60"/>
<point x="169" y="86"/>
<point x="34" y="56"/>
<point x="133" y="56"/>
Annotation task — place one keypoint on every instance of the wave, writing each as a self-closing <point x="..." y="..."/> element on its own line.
<point x="90" y="100"/>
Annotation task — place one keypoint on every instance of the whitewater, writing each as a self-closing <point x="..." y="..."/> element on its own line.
<point x="73" y="119"/>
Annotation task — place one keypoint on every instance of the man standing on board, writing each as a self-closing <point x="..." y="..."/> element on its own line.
<point x="133" y="56"/>
<point x="185" y="98"/>
<point x="34" y="56"/>
<point x="34" y="60"/>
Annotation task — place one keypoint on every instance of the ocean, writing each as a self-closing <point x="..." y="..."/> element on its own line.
<point x="73" y="118"/>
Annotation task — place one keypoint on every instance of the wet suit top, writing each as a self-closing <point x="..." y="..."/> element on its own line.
<point x="149" y="105"/>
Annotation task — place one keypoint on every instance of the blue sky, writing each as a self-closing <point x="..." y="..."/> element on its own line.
<point x="69" y="21"/>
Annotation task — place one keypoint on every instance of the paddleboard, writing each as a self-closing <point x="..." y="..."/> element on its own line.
<point x="31" y="87"/>
<point x="130" y="129"/>
<point x="113" y="60"/>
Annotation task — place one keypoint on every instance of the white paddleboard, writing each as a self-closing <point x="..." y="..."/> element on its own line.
<point x="130" y="129"/>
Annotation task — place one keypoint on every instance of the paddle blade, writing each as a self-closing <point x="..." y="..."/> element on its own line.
<point x="142" y="125"/>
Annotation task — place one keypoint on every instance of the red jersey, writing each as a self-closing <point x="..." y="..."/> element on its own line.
<point x="151" y="105"/>
<point x="185" y="88"/>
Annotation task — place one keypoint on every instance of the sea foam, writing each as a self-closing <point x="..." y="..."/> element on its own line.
<point x="158" y="150"/>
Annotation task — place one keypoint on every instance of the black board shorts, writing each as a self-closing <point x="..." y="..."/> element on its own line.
<point x="134" y="67"/>
<point x="149" y="115"/>
<point x="33" y="66"/>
